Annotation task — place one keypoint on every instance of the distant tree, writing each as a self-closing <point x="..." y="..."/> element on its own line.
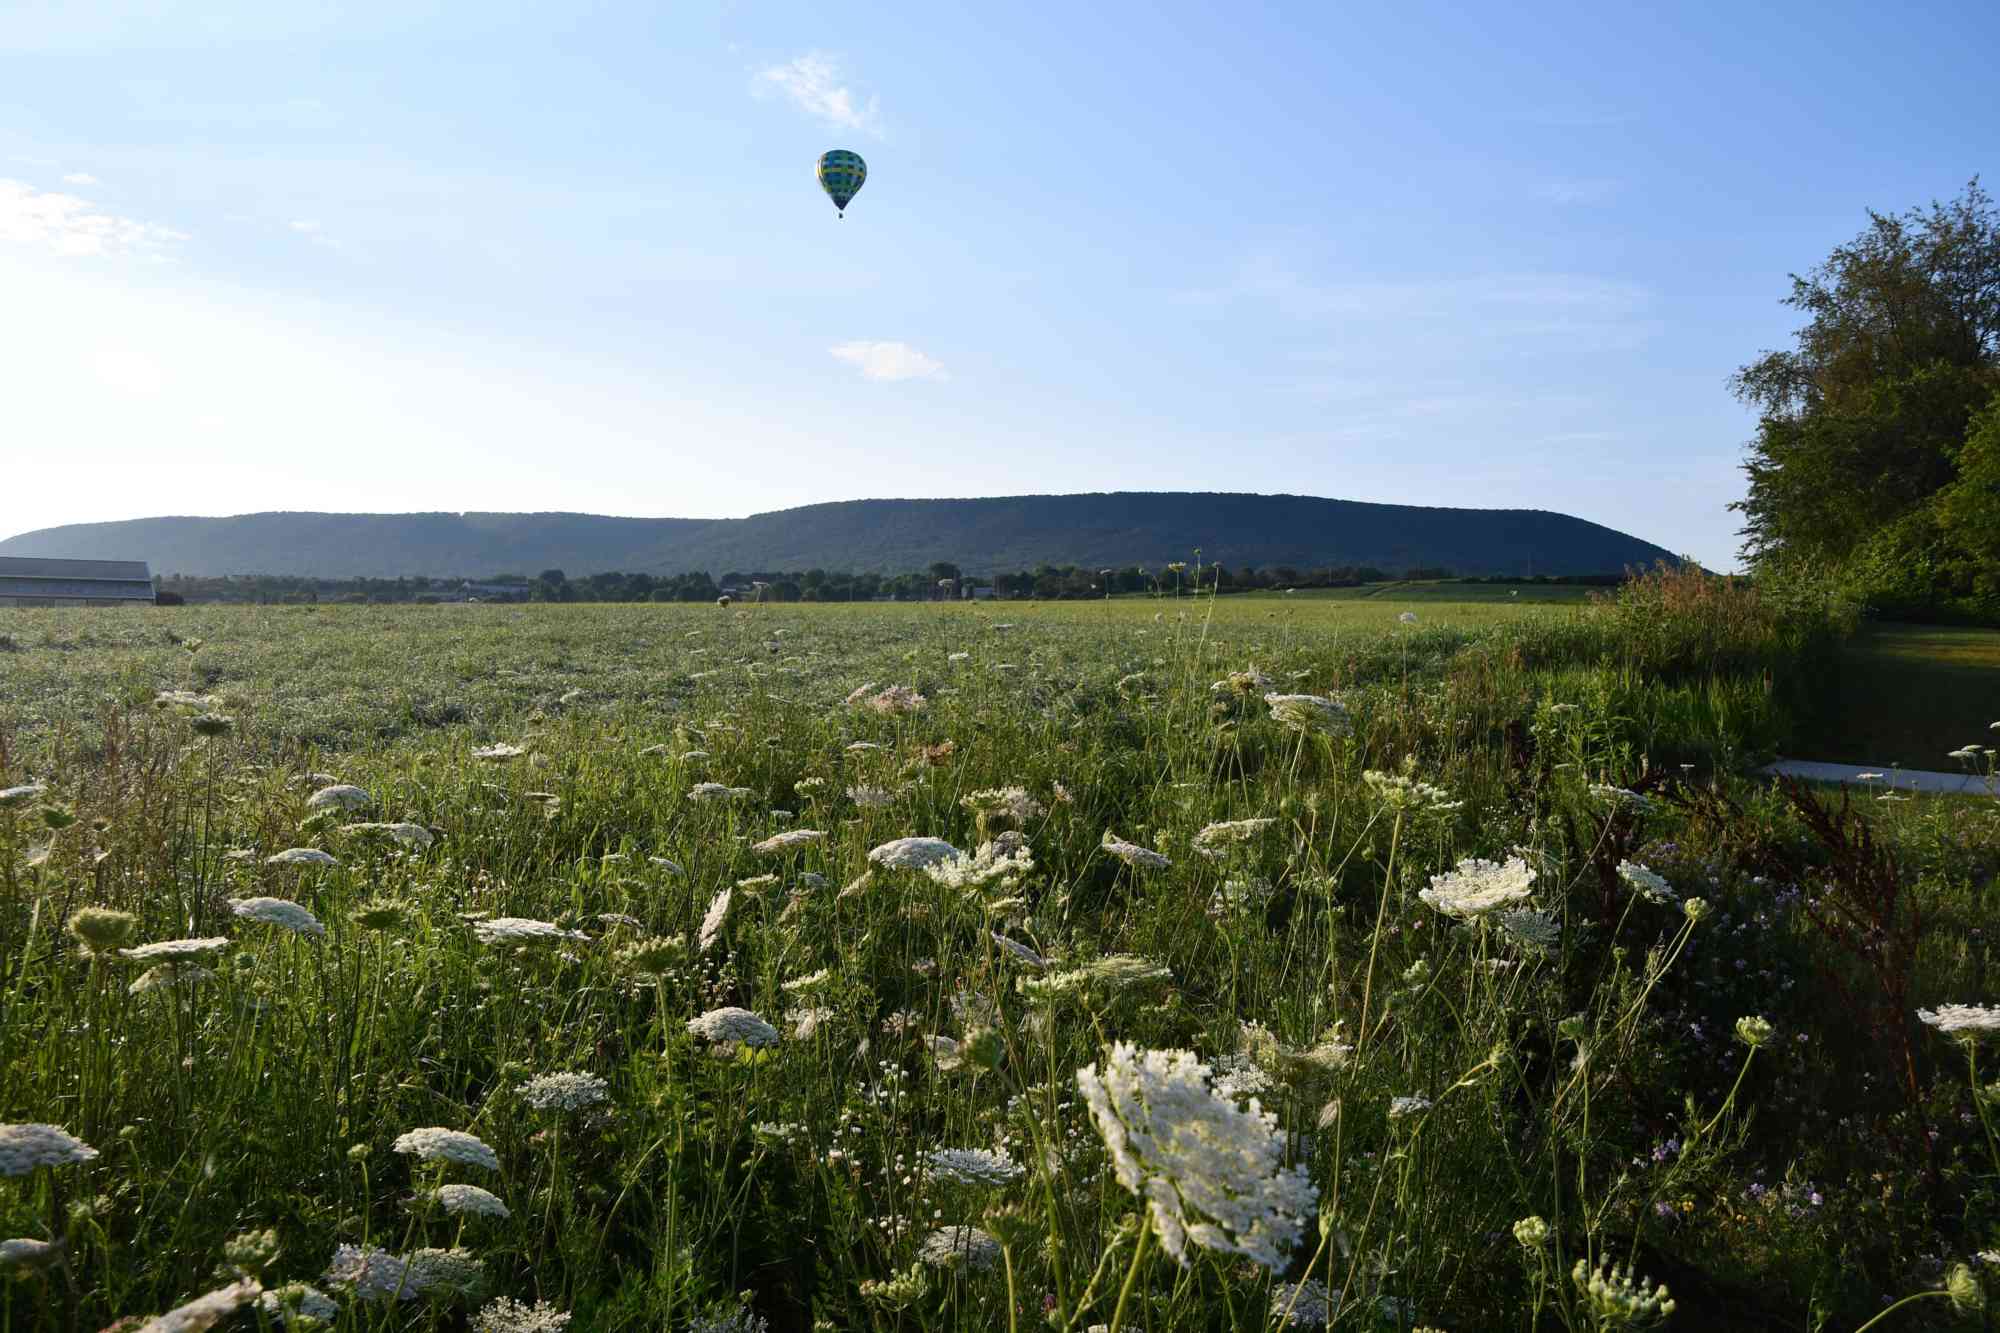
<point x="1867" y="418"/>
<point x="553" y="576"/>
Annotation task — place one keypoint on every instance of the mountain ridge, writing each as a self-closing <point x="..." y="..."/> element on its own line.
<point x="982" y="535"/>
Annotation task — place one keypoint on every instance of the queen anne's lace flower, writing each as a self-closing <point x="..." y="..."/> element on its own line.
<point x="716" y="791"/>
<point x="498" y="752"/>
<point x="1477" y="886"/>
<point x="521" y="930"/>
<point x="372" y="1274"/>
<point x="788" y="840"/>
<point x="563" y="1092"/>
<point x="301" y="856"/>
<point x="278" y="912"/>
<point x="730" y="1319"/>
<point x="1209" y="1171"/>
<point x="1132" y="854"/>
<point x="997" y="865"/>
<point x="299" y="1300"/>
<point x="1401" y="792"/>
<point x="409" y="835"/>
<point x="177" y="951"/>
<point x="1407" y="1106"/>
<point x="205" y="1311"/>
<point x="896" y="699"/>
<point x="1647" y="883"/>
<point x="973" y="1166"/>
<point x="469" y="1200"/>
<point x="1305" y="1304"/>
<point x="447" y="1145"/>
<point x="713" y="922"/>
<point x="167" y="974"/>
<point x="25" y="1252"/>
<point x="29" y="1147"/>
<point x="730" y="1025"/>
<point x="1107" y="975"/>
<point x="502" y="1315"/>
<point x="1310" y="712"/>
<point x="913" y="853"/>
<point x="1961" y="1018"/>
<point x="1216" y="840"/>
<point x="1020" y="951"/>
<point x="953" y="1247"/>
<point x="340" y="796"/>
<point x="1003" y="803"/>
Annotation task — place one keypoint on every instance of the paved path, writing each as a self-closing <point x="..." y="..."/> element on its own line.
<point x="1882" y="779"/>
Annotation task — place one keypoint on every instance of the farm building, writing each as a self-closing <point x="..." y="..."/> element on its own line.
<point x="32" y="581"/>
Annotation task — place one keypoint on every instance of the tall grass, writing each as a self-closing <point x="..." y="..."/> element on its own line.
<point x="1581" y="1068"/>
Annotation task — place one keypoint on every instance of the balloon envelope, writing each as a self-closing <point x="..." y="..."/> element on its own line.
<point x="840" y="175"/>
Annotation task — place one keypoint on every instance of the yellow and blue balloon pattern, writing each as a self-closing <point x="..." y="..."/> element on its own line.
<point x="840" y="175"/>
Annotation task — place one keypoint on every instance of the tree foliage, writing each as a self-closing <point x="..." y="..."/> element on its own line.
<point x="1864" y="456"/>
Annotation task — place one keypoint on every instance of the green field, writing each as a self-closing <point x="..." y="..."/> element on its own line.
<point x="652" y="849"/>
<point x="1908" y="695"/>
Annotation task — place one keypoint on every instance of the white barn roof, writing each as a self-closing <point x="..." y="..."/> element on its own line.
<point x="32" y="578"/>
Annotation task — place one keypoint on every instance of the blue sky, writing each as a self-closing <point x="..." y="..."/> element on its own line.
<point x="520" y="256"/>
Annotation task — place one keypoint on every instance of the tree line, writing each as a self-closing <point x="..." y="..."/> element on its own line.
<point x="1875" y="469"/>
<point x="942" y="580"/>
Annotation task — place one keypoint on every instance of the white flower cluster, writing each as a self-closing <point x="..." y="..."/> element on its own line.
<point x="1107" y="975"/>
<point x="1401" y="792"/>
<point x="340" y="796"/>
<point x="1477" y="886"/>
<point x="1132" y="854"/>
<point x="502" y="1315"/>
<point x="997" y="865"/>
<point x="974" y="1166"/>
<point x="896" y="699"/>
<point x="716" y="791"/>
<point x="278" y="912"/>
<point x="376" y="1275"/>
<point x="913" y="853"/>
<point x="299" y="1301"/>
<point x="205" y="1311"/>
<point x="1217" y="840"/>
<point x="469" y="1201"/>
<point x="177" y="951"/>
<point x="435" y="1144"/>
<point x="563" y="1092"/>
<point x="1209" y="1171"/>
<point x="730" y="1025"/>
<point x="953" y="1247"/>
<point x="29" y="1147"/>
<point x="498" y="752"/>
<point x="521" y="930"/>
<point x="730" y="1319"/>
<point x="1004" y="803"/>
<point x="1961" y="1018"/>
<point x="1310" y="712"/>
<point x="788" y="840"/>
<point x="1248" y="681"/>
<point x="1306" y="1304"/>
<point x="410" y="835"/>
<point x="713" y="920"/>
<point x="301" y="856"/>
<point x="1647" y="883"/>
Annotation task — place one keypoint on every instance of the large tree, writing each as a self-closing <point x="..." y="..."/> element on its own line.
<point x="1862" y="422"/>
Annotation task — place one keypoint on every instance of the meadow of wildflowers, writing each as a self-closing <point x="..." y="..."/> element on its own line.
<point x="1146" y="965"/>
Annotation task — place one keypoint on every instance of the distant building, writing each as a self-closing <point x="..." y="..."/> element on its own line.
<point x="32" y="581"/>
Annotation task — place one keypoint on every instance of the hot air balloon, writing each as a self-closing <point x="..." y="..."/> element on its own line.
<point x="840" y="175"/>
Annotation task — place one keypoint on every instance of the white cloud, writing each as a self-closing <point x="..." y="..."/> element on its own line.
<point x="70" y="225"/>
<point x="80" y="178"/>
<point x="305" y="225"/>
<point x="889" y="361"/>
<point x="813" y="83"/>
